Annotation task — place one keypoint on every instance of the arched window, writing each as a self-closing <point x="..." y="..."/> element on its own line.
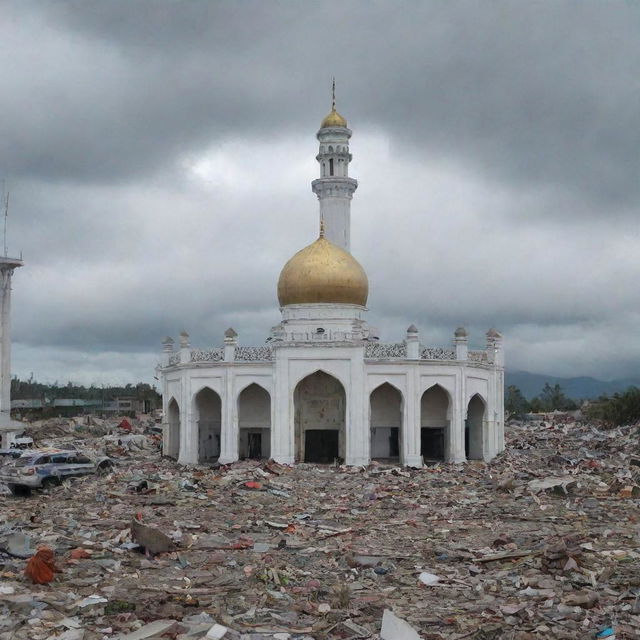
<point x="330" y="166"/>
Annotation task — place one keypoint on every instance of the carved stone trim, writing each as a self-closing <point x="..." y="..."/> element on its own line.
<point x="382" y="351"/>
<point x="437" y="353"/>
<point x="207" y="355"/>
<point x="478" y="356"/>
<point x="254" y="354"/>
<point x="174" y="359"/>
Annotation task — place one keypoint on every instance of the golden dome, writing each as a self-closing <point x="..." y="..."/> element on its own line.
<point x="323" y="272"/>
<point x="334" y="119"/>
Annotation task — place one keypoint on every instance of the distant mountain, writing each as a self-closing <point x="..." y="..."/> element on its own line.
<point x="582" y="388"/>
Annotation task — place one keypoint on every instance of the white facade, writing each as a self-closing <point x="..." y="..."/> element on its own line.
<point x="8" y="427"/>
<point x="323" y="387"/>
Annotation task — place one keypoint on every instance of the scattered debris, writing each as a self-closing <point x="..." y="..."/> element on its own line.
<point x="394" y="628"/>
<point x="150" y="539"/>
<point x="541" y="542"/>
<point x="41" y="569"/>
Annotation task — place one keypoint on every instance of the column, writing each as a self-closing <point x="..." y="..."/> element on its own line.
<point x="357" y="428"/>
<point x="229" y="426"/>
<point x="411" y="420"/>
<point x="458" y="415"/>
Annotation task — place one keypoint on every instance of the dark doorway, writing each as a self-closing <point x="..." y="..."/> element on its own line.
<point x="432" y="443"/>
<point x="385" y="420"/>
<point x="474" y="428"/>
<point x="394" y="443"/>
<point x="321" y="445"/>
<point x="255" y="445"/>
<point x="320" y="409"/>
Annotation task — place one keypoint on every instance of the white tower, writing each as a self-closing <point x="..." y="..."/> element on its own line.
<point x="335" y="188"/>
<point x="8" y="427"/>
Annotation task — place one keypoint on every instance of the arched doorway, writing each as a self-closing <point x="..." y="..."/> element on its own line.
<point x="434" y="423"/>
<point x="320" y="410"/>
<point x="208" y="411"/>
<point x="385" y="420"/>
<point x="173" y="433"/>
<point x="254" y="423"/>
<point x="474" y="428"/>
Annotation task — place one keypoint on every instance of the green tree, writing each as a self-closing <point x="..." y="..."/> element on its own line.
<point x="619" y="409"/>
<point x="553" y="398"/>
<point x="515" y="404"/>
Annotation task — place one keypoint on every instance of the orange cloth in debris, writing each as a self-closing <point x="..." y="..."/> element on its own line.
<point x="42" y="566"/>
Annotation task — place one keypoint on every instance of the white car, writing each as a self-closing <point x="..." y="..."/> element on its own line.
<point x="46" y="468"/>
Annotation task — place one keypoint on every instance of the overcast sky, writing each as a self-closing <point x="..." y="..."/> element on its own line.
<point x="159" y="157"/>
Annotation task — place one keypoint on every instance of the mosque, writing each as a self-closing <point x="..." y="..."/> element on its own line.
<point x="323" y="387"/>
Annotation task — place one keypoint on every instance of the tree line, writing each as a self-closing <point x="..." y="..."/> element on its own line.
<point x="615" y="410"/>
<point x="551" y="398"/>
<point x="28" y="389"/>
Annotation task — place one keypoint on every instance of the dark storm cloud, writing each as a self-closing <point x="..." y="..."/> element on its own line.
<point x="538" y="93"/>
<point x="159" y="156"/>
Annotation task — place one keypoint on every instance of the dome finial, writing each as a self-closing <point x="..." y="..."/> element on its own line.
<point x="334" y="119"/>
<point x="322" y="227"/>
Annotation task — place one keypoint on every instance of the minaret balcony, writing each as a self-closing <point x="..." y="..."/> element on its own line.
<point x="334" y="187"/>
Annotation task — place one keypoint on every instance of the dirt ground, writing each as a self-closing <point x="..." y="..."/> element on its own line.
<point x="541" y="543"/>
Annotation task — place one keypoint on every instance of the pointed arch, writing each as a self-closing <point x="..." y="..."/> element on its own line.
<point x="435" y="413"/>
<point x="475" y="428"/>
<point x="320" y="370"/>
<point x="319" y="400"/>
<point x="172" y="443"/>
<point x="207" y="406"/>
<point x="386" y="404"/>
<point x="254" y="422"/>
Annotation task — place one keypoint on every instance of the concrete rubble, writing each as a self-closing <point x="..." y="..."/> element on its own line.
<point x="544" y="542"/>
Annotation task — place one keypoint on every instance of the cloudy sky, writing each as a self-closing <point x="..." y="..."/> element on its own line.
<point x="159" y="156"/>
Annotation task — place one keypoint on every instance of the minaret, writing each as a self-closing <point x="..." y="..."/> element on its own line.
<point x="8" y="427"/>
<point x="335" y="188"/>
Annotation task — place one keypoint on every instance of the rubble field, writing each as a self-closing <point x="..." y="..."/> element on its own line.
<point x="543" y="542"/>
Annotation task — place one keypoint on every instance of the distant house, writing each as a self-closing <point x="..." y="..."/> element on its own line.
<point x="127" y="404"/>
<point x="69" y="407"/>
<point x="27" y="403"/>
<point x="74" y="402"/>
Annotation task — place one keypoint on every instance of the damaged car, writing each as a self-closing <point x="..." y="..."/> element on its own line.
<point x="45" y="469"/>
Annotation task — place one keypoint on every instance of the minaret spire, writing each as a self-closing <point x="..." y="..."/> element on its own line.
<point x="335" y="188"/>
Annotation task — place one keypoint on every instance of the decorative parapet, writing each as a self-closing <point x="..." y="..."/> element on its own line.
<point x="478" y="356"/>
<point x="207" y="355"/>
<point x="325" y="336"/>
<point x="378" y="351"/>
<point x="174" y="359"/>
<point x="254" y="354"/>
<point x="437" y="353"/>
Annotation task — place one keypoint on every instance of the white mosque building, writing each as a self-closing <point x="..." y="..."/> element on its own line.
<point x="323" y="387"/>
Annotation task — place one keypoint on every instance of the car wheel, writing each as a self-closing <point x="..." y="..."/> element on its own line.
<point x="50" y="482"/>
